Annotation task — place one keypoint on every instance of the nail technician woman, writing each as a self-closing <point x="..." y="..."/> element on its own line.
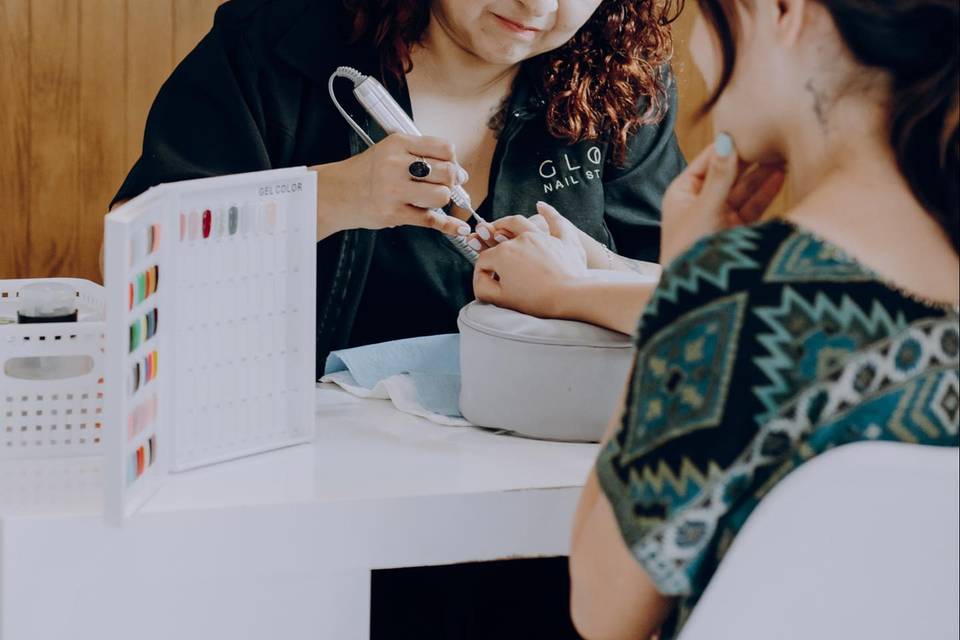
<point x="564" y="101"/>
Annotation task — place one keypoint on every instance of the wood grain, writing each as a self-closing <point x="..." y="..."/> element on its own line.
<point x="102" y="106"/>
<point x="14" y="138"/>
<point x="54" y="136"/>
<point x="77" y="78"/>
<point x="694" y="134"/>
<point x="149" y="61"/>
<point x="192" y="20"/>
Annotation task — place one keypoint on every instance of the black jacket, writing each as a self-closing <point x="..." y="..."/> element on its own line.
<point x="253" y="95"/>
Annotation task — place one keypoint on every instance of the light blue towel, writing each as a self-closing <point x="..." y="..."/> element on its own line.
<point x="432" y="362"/>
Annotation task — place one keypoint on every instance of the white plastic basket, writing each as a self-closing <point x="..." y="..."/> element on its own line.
<point x="61" y="417"/>
<point x="52" y="486"/>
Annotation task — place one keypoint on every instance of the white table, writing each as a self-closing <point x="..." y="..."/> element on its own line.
<point x="279" y="545"/>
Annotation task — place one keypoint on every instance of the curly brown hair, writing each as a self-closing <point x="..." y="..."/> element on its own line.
<point x="604" y="83"/>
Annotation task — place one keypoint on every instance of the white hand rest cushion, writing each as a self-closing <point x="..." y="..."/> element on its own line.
<point x="552" y="379"/>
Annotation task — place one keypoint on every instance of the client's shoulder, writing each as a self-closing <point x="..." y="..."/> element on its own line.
<point x="769" y="264"/>
<point x="779" y="282"/>
<point x="720" y="264"/>
<point x="774" y="253"/>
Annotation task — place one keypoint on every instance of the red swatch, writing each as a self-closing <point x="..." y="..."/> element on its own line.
<point x="207" y="218"/>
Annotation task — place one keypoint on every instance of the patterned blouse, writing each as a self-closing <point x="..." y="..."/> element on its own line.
<point x="763" y="347"/>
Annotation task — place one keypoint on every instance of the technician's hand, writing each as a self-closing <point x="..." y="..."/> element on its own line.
<point x="374" y="189"/>
<point x="530" y="272"/>
<point x="716" y="191"/>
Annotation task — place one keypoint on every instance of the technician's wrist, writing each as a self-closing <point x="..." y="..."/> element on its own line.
<point x="330" y="207"/>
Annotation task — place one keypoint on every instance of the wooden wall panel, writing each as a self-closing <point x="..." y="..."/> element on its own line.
<point x="694" y="135"/>
<point x="149" y="62"/>
<point x="54" y="136"/>
<point x="77" y="78"/>
<point x="192" y="20"/>
<point x="14" y="137"/>
<point x="103" y="165"/>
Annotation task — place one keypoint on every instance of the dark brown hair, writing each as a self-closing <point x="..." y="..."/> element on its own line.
<point x="916" y="42"/>
<point x="609" y="79"/>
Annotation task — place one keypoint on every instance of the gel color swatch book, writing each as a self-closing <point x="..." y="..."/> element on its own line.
<point x="211" y="288"/>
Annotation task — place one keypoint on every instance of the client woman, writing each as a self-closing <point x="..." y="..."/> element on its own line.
<point x="520" y="100"/>
<point x="768" y="343"/>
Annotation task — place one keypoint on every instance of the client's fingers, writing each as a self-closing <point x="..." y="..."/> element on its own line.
<point x="540" y="223"/>
<point x="691" y="179"/>
<point x="513" y="226"/>
<point x="555" y="222"/>
<point x="486" y="233"/>
<point x="758" y="202"/>
<point x="490" y="235"/>
<point x="697" y="169"/>
<point x="721" y="175"/>
<point x="749" y="182"/>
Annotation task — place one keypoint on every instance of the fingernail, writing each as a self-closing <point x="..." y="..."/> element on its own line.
<point x="463" y="231"/>
<point x="500" y="238"/>
<point x="475" y="244"/>
<point x="483" y="232"/>
<point x="462" y="176"/>
<point x="723" y="145"/>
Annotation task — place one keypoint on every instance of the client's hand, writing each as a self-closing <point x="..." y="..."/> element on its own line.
<point x="716" y="191"/>
<point x="531" y="272"/>
<point x="492" y="234"/>
<point x="375" y="190"/>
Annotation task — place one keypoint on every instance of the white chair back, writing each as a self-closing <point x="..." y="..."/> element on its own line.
<point x="861" y="542"/>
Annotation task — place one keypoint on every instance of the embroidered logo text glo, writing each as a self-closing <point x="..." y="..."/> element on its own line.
<point x="570" y="172"/>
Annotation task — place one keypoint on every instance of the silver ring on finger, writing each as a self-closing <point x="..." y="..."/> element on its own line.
<point x="419" y="169"/>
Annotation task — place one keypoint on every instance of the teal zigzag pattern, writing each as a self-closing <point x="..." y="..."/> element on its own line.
<point x="804" y="258"/>
<point x="651" y="486"/>
<point x="711" y="260"/>
<point x="806" y="339"/>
